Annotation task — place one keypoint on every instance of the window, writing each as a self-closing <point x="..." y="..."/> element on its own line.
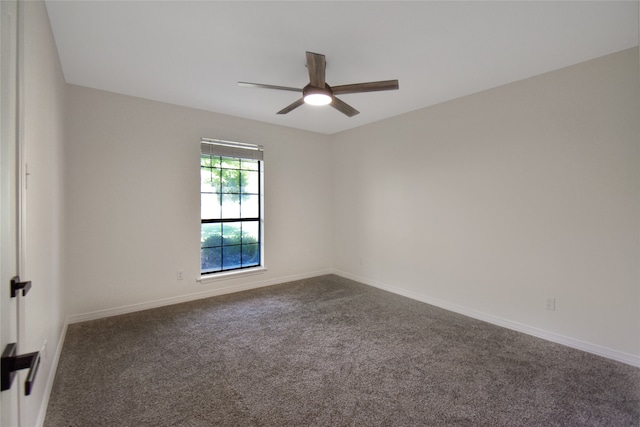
<point x="230" y="206"/>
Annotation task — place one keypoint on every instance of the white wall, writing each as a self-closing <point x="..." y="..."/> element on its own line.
<point x="42" y="134"/>
<point x="132" y="179"/>
<point x="493" y="202"/>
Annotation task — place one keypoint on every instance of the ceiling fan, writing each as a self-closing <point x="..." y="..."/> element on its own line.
<point x="318" y="92"/>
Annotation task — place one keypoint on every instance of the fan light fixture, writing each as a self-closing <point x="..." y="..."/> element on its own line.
<point x="318" y="92"/>
<point x="316" y="96"/>
<point x="317" y="99"/>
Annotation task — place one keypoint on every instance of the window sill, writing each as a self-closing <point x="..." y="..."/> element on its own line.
<point x="215" y="277"/>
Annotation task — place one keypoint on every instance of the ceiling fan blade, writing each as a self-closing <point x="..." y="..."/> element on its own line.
<point x="260" y="85"/>
<point x="316" y="64"/>
<point x="293" y="106"/>
<point x="343" y="107"/>
<point x="365" y="87"/>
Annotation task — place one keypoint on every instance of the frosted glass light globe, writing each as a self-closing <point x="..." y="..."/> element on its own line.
<point x="317" y="99"/>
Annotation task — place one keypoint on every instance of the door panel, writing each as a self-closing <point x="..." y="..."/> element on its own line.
<point x="8" y="193"/>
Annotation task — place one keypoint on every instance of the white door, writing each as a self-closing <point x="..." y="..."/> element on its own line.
<point x="8" y="195"/>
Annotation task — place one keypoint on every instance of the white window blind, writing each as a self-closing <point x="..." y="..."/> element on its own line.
<point x="217" y="147"/>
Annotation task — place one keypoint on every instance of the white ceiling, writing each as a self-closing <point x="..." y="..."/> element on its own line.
<point x="193" y="53"/>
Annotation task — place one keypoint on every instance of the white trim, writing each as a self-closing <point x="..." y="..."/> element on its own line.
<point x="44" y="404"/>
<point x="609" y="353"/>
<point x="83" y="317"/>
<point x="216" y="277"/>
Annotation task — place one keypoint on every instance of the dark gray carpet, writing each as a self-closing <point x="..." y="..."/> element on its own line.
<point x="328" y="351"/>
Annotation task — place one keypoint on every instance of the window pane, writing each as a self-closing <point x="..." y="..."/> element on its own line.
<point x="230" y="180"/>
<point x="211" y="259"/>
<point x="230" y="162"/>
<point x="249" y="181"/>
<point x="250" y="255"/>
<point x="249" y="164"/>
<point x="250" y="232"/>
<point x="250" y="206"/>
<point x="230" y="206"/>
<point x="210" y="180"/>
<point x="209" y="206"/>
<point x="231" y="257"/>
<point x="211" y="235"/>
<point x="210" y="161"/>
<point x="231" y="233"/>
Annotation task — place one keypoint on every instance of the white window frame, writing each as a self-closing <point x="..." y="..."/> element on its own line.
<point x="224" y="148"/>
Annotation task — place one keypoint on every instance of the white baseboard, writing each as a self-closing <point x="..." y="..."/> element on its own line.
<point x="42" y="413"/>
<point x="83" y="317"/>
<point x="619" y="356"/>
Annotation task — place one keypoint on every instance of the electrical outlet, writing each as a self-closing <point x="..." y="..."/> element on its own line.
<point x="180" y="275"/>
<point x="550" y="304"/>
